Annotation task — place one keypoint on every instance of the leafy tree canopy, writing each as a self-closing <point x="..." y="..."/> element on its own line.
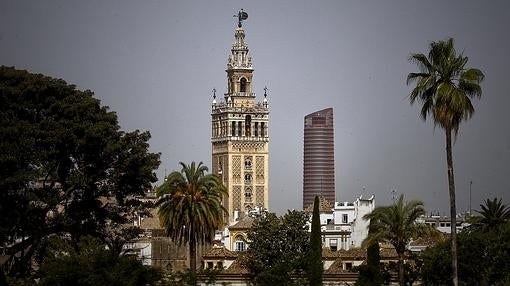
<point x="278" y="248"/>
<point x="483" y="251"/>
<point x="91" y="264"/>
<point x="66" y="167"/>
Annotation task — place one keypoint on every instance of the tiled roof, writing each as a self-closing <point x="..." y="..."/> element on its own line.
<point x="220" y="252"/>
<point x="244" y="223"/>
<point x="388" y="252"/>
<point x="336" y="267"/>
<point x="239" y="266"/>
<point x="353" y="253"/>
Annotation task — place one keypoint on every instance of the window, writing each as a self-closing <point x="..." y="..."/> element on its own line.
<point x="348" y="266"/>
<point x="233" y="128"/>
<point x="243" y="85"/>
<point x="256" y="129"/>
<point x="247" y="179"/>
<point x="333" y="244"/>
<point x="219" y="265"/>
<point x="247" y="163"/>
<point x="345" y="218"/>
<point x="262" y="131"/>
<point x="247" y="197"/>
<point x="247" y="126"/>
<point x="239" y="127"/>
<point x="209" y="265"/>
<point x="240" y="243"/>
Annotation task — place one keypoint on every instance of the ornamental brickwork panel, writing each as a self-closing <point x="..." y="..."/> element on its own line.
<point x="236" y="197"/>
<point x="236" y="169"/>
<point x="259" y="165"/>
<point x="259" y="195"/>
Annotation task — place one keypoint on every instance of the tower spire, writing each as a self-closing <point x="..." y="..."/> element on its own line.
<point x="240" y="138"/>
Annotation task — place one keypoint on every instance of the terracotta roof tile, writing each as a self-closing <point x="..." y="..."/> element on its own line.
<point x="239" y="266"/>
<point x="244" y="223"/>
<point x="220" y="252"/>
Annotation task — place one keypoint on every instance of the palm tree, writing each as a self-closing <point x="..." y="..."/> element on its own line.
<point x="190" y="207"/>
<point x="395" y="224"/>
<point x="445" y="88"/>
<point x="493" y="215"/>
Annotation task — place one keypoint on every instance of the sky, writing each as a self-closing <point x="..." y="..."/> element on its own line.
<point x="155" y="64"/>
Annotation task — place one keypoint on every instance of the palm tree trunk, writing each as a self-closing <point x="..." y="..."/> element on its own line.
<point x="453" y="209"/>
<point x="192" y="255"/>
<point x="401" y="269"/>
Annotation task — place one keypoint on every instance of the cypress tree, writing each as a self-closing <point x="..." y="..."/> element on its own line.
<point x="316" y="268"/>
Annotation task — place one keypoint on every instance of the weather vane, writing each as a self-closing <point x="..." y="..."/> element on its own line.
<point x="241" y="16"/>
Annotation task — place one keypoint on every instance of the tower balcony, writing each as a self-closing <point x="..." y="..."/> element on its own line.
<point x="243" y="94"/>
<point x="240" y="138"/>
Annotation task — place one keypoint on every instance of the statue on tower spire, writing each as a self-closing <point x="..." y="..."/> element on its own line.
<point x="241" y="16"/>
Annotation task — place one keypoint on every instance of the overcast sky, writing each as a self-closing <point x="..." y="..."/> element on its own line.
<point x="156" y="62"/>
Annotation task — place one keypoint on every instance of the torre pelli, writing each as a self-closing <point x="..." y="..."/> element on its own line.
<point x="240" y="140"/>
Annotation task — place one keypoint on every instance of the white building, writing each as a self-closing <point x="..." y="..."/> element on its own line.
<point x="342" y="225"/>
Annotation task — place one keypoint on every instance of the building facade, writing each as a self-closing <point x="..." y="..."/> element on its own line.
<point x="318" y="157"/>
<point x="342" y="224"/>
<point x="240" y="138"/>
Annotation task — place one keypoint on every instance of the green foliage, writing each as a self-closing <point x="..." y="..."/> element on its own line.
<point x="91" y="264"/>
<point x="493" y="215"/>
<point x="483" y="258"/>
<point x="444" y="85"/>
<point x="445" y="88"/>
<point x="187" y="278"/>
<point x="370" y="274"/>
<point x="190" y="206"/>
<point x="278" y="249"/>
<point x="395" y="224"/>
<point x="66" y="168"/>
<point x="316" y="267"/>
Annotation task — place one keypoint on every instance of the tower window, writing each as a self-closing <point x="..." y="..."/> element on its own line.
<point x="256" y="129"/>
<point x="243" y="85"/>
<point x="247" y="179"/>
<point x="239" y="128"/>
<point x="262" y="127"/>
<point x="247" y="163"/>
<point x="247" y="126"/>
<point x="233" y="128"/>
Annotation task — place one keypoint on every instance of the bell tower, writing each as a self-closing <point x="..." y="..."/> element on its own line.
<point x="240" y="134"/>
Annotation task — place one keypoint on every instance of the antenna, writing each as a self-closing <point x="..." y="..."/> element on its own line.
<point x="470" y="210"/>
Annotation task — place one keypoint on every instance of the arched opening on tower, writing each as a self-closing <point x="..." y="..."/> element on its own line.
<point x="247" y="126"/>
<point x="243" y="85"/>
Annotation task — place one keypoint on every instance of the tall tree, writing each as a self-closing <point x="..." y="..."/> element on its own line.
<point x="66" y="167"/>
<point x="445" y="87"/>
<point x="370" y="273"/>
<point x="316" y="267"/>
<point x="397" y="225"/>
<point x="278" y="249"/>
<point x="190" y="207"/>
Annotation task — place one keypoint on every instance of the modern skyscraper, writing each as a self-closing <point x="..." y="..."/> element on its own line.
<point x="318" y="157"/>
<point x="240" y="138"/>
